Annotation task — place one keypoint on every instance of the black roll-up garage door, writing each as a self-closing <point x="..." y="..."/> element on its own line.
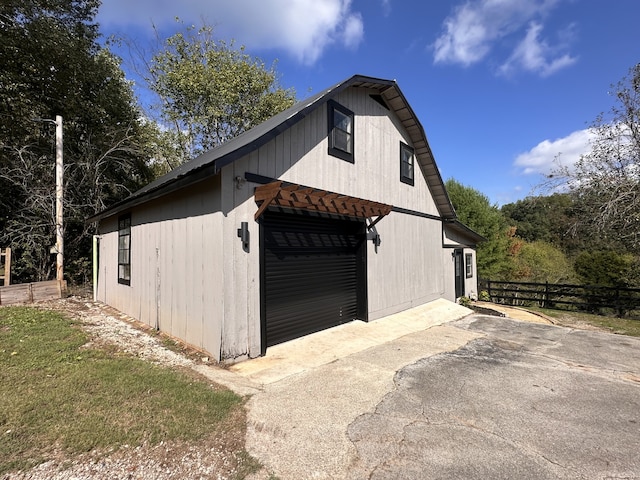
<point x="313" y="274"/>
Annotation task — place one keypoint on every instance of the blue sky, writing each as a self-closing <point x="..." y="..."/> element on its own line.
<point x="503" y="88"/>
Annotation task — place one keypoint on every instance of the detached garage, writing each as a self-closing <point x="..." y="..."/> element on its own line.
<point x="332" y="211"/>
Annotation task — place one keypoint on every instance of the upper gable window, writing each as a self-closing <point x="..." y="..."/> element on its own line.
<point x="340" y="131"/>
<point x="407" y="163"/>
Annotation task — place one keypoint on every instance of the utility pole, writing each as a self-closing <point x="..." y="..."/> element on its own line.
<point x="59" y="203"/>
<point x="59" y="248"/>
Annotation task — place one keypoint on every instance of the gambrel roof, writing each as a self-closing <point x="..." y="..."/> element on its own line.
<point x="210" y="162"/>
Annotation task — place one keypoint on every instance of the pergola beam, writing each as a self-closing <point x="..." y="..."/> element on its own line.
<point x="307" y="198"/>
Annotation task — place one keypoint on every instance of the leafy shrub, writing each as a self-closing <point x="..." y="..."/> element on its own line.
<point x="608" y="268"/>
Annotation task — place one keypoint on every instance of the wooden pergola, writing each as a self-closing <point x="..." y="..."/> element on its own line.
<point x="298" y="196"/>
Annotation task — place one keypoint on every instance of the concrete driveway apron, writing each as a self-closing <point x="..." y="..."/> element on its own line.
<point x="423" y="396"/>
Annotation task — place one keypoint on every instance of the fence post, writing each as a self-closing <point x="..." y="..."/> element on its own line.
<point x="489" y="289"/>
<point x="545" y="301"/>
<point x="618" y="306"/>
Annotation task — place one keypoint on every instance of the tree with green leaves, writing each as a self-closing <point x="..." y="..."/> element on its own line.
<point x="542" y="218"/>
<point x="208" y="92"/>
<point x="608" y="268"/>
<point x="541" y="262"/>
<point x="475" y="210"/>
<point x="54" y="65"/>
<point x="605" y="183"/>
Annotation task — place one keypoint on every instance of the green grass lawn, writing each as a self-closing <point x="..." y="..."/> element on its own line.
<point x="58" y="397"/>
<point x="624" y="326"/>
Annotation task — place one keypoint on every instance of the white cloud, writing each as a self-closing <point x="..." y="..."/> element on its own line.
<point x="536" y="55"/>
<point x="353" y="31"/>
<point x="550" y="154"/>
<point x="474" y="29"/>
<point x="303" y="28"/>
<point x="386" y="7"/>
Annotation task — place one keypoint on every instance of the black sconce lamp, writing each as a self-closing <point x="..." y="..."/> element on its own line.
<point x="243" y="234"/>
<point x="375" y="238"/>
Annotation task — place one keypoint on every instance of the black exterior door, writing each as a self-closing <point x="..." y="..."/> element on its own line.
<point x="313" y="274"/>
<point x="459" y="272"/>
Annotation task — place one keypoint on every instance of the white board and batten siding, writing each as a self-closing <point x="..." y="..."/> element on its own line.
<point x="176" y="272"/>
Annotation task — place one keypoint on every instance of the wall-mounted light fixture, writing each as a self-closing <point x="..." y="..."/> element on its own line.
<point x="240" y="181"/>
<point x="374" y="236"/>
<point x="243" y="234"/>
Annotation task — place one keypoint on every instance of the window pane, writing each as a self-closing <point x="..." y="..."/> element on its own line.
<point x="342" y="121"/>
<point x="124" y="272"/>
<point x="407" y="170"/>
<point x="341" y="140"/>
<point x="123" y="242"/>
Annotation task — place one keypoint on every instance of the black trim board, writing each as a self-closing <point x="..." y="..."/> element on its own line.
<point x="415" y="213"/>
<point x="260" y="179"/>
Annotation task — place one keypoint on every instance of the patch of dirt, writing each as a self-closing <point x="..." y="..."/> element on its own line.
<point x="219" y="456"/>
<point x="486" y="311"/>
<point x="567" y="320"/>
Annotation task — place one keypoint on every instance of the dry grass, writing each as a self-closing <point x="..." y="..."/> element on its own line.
<point x="623" y="326"/>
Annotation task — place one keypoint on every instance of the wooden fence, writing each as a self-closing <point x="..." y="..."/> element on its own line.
<point x="590" y="298"/>
<point x="31" y="292"/>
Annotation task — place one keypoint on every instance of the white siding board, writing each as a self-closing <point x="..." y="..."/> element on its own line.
<point x="396" y="280"/>
<point x="195" y="281"/>
<point x="175" y="227"/>
<point x="213" y="311"/>
<point x="241" y="258"/>
<point x="407" y="270"/>
<point x="279" y="155"/>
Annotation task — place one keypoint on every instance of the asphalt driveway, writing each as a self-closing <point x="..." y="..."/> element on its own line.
<point x="525" y="401"/>
<point x="476" y="398"/>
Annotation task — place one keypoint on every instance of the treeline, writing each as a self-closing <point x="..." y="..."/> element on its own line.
<point x="55" y="61"/>
<point x="541" y="239"/>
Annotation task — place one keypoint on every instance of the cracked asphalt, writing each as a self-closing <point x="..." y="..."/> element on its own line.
<point x="477" y="398"/>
